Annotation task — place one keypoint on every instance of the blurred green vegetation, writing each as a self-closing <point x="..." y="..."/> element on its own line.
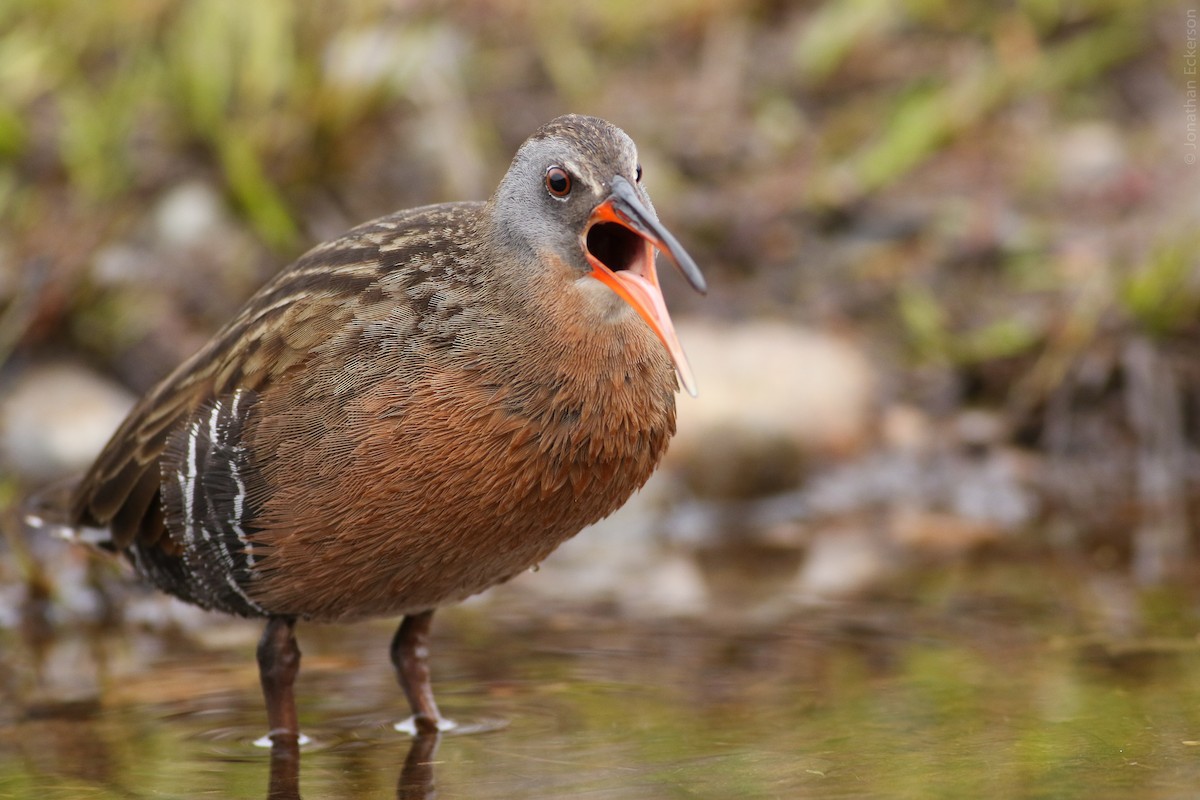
<point x="87" y="87"/>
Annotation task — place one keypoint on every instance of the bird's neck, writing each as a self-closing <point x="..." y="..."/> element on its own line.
<point x="566" y="354"/>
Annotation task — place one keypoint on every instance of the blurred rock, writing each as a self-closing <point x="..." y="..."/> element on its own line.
<point x="935" y="533"/>
<point x="366" y="59"/>
<point x="995" y="489"/>
<point x="122" y="263"/>
<point x="1088" y="154"/>
<point x="618" y="561"/>
<point x="740" y="462"/>
<point x="748" y="577"/>
<point x="55" y="418"/>
<point x="772" y="395"/>
<point x="845" y="559"/>
<point x="189" y="215"/>
<point x="930" y="491"/>
<point x="978" y="429"/>
<point x="189" y="229"/>
<point x="905" y="428"/>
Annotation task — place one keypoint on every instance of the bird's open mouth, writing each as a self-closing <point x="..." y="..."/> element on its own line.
<point x="615" y="246"/>
<point x="619" y="243"/>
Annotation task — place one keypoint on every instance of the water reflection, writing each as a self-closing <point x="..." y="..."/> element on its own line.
<point x="416" y="776"/>
<point x="285" y="769"/>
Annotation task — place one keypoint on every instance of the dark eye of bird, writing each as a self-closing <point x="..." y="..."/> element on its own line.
<point x="558" y="181"/>
<point x="637" y="176"/>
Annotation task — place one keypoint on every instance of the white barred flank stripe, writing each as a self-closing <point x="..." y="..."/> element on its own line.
<point x="187" y="486"/>
<point x="239" y="499"/>
<point x="208" y="513"/>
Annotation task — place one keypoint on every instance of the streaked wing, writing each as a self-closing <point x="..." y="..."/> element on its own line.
<point x="274" y="333"/>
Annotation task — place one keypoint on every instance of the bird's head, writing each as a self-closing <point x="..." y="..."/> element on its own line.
<point x="574" y="194"/>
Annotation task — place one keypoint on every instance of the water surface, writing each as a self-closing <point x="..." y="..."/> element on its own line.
<point x="1000" y="680"/>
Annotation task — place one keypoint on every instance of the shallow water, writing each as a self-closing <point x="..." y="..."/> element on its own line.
<point x="999" y="680"/>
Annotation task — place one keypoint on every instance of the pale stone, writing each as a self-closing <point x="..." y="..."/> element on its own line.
<point x="55" y="418"/>
<point x="771" y="394"/>
<point x="1089" y="153"/>
<point x="189" y="215"/>
<point x="845" y="559"/>
<point x="816" y="389"/>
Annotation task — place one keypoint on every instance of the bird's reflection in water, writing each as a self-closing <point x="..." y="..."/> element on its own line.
<point x="285" y="769"/>
<point x="415" y="782"/>
<point x="416" y="777"/>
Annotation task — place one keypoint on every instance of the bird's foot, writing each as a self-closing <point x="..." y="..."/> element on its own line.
<point x="269" y="740"/>
<point x="412" y="727"/>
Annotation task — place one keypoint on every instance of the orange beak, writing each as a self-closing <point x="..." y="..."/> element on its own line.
<point x="619" y="242"/>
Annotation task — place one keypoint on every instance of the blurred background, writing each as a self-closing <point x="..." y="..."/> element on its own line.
<point x="949" y="364"/>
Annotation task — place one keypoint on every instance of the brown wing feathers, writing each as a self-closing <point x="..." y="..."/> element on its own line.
<point x="275" y="332"/>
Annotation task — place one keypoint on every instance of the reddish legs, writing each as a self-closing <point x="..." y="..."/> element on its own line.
<point x="410" y="656"/>
<point x="278" y="663"/>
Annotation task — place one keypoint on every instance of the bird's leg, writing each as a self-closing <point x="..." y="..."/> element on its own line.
<point x="278" y="664"/>
<point x="410" y="656"/>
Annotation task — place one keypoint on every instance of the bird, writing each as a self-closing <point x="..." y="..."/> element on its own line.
<point x="409" y="414"/>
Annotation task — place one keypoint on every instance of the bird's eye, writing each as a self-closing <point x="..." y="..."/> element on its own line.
<point x="558" y="181"/>
<point x="637" y="176"/>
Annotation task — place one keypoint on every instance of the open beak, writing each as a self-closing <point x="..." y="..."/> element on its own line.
<point x="619" y="242"/>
